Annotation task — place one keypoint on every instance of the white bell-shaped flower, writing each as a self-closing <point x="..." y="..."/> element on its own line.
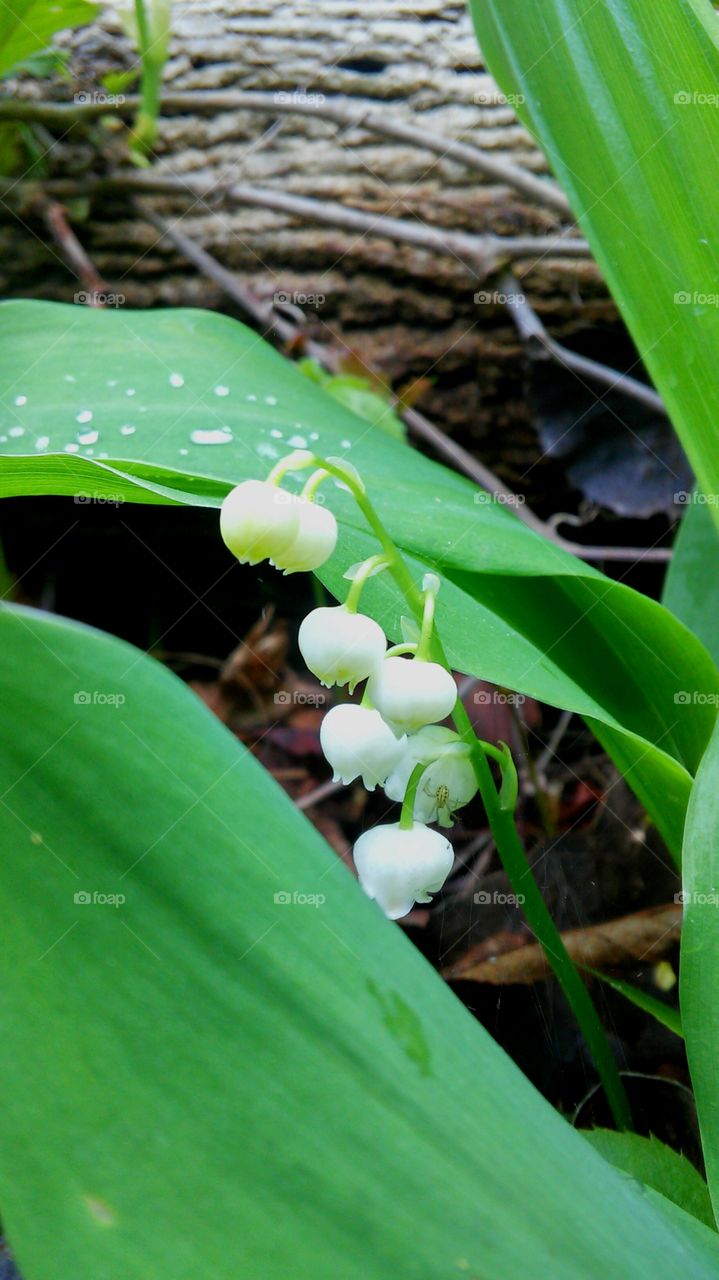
<point x="358" y="744"/>
<point x="258" y="521"/>
<point x="448" y="782"/>
<point x="410" y="693"/>
<point x="341" y="647"/>
<point x="398" y="868"/>
<point x="314" y="540"/>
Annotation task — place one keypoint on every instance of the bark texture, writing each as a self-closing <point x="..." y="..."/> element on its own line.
<point x="408" y="312"/>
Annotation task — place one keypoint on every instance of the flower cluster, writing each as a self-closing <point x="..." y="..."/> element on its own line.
<point x="392" y="739"/>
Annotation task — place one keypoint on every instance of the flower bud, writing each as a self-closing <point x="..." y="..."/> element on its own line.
<point x="258" y="521"/>
<point x="340" y="647"/>
<point x="398" y="868"/>
<point x="314" y="540"/>
<point x="410" y="693"/>
<point x="357" y="743"/>
<point x="447" y="783"/>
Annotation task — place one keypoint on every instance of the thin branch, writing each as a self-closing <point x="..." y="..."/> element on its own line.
<point x="541" y="344"/>
<point x="542" y="191"/>
<point x="488" y="252"/>
<point x="55" y="219"/>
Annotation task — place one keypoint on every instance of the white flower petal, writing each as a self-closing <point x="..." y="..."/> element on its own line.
<point x="340" y="647"/>
<point x="357" y="743"/>
<point x="398" y="868"/>
<point x="411" y="693"/>
<point x="258" y="520"/>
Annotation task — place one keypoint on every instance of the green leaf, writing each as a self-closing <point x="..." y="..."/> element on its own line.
<point x="204" y="1079"/>
<point x="113" y="403"/>
<point x="658" y="1166"/>
<point x="691" y="589"/>
<point x="699" y="974"/>
<point x="621" y="95"/>
<point x="27" y="26"/>
<point x="664" y="1013"/>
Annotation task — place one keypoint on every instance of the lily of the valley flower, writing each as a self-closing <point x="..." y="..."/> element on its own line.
<point x="448" y="782"/>
<point x="261" y="521"/>
<point x="341" y="647"/>
<point x="400" y="867"/>
<point x="410" y="693"/>
<point x="258" y="521"/>
<point x="358" y="744"/>
<point x="314" y="541"/>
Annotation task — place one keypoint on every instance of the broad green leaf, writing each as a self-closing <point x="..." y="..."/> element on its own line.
<point x="218" y="1076"/>
<point x="180" y="405"/>
<point x="27" y="26"/>
<point x="699" y="974"/>
<point x="664" y="1013"/>
<point x="656" y="1165"/>
<point x="622" y="95"/>
<point x="691" y="589"/>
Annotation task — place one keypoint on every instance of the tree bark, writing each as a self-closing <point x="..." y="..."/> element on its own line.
<point x="408" y="312"/>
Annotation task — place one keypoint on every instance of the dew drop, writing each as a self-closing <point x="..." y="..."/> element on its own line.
<point x="345" y="444"/>
<point x="3" y="439"/>
<point x="72" y="448"/>
<point x="20" y="401"/>
<point x="70" y="377"/>
<point x="298" y="442"/>
<point x="85" y="415"/>
<point x="177" y="380"/>
<point x="111" y="382"/>
<point x="103" y="455"/>
<point x="250" y="397"/>
<point x="42" y="442"/>
<point x="277" y="435"/>
<point x="270" y="399"/>
<point x="184" y="452"/>
<point x="222" y="391"/>
<point x="219" y="435"/>
<point x="314" y="435"/>
<point x="130" y="391"/>
<point x="128" y="430"/>
<point x="88" y="437"/>
<point x="14" y="432"/>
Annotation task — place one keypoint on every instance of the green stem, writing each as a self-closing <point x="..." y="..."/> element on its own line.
<point x="150" y="86"/>
<point x="366" y="570"/>
<point x="406" y="819"/>
<point x="519" y="872"/>
<point x="509" y="845"/>
<point x="425" y="638"/>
